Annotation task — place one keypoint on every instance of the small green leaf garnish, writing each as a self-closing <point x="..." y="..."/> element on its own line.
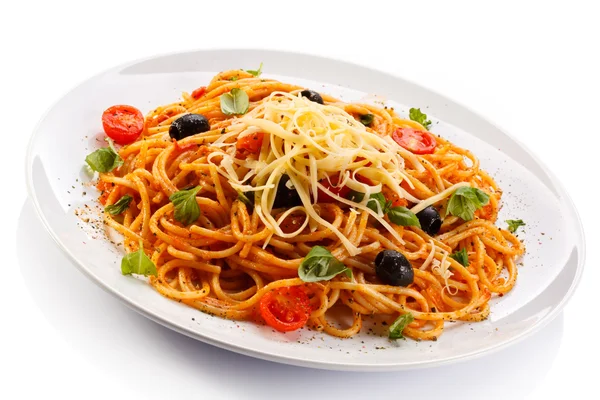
<point x="320" y="265"/>
<point x="105" y="159"/>
<point x="355" y="196"/>
<point x="514" y="224"/>
<point x="235" y="102"/>
<point x="138" y="263"/>
<point x="403" y="216"/>
<point x="234" y="78"/>
<point x="399" y="324"/>
<point x="465" y="201"/>
<point x="416" y="115"/>
<point x="377" y="203"/>
<point x="120" y="206"/>
<point x="256" y="72"/>
<point x="367" y="119"/>
<point x="461" y="256"/>
<point x="186" y="207"/>
<point x="398" y="215"/>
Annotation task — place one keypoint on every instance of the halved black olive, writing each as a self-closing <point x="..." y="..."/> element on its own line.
<point x="430" y="220"/>
<point x="393" y="268"/>
<point x="312" y="96"/>
<point x="188" y="125"/>
<point x="286" y="197"/>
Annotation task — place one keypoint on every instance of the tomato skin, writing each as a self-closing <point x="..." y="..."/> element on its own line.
<point x="250" y="143"/>
<point x="285" y="309"/>
<point x="196" y="94"/>
<point x="341" y="191"/>
<point x="418" y="142"/>
<point x="123" y="123"/>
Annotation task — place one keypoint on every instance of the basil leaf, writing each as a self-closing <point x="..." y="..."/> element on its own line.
<point x="399" y="324"/>
<point x="234" y="78"/>
<point x="256" y="72"/>
<point x="320" y="265"/>
<point x="514" y="224"/>
<point x="355" y="196"/>
<point x="186" y="207"/>
<point x="465" y="201"/>
<point x="461" y="256"/>
<point x="120" y="206"/>
<point x="366" y="119"/>
<point x="416" y="115"/>
<point x="377" y="202"/>
<point x="247" y="199"/>
<point x="234" y="102"/>
<point x="403" y="216"/>
<point x="105" y="159"/>
<point x="138" y="263"/>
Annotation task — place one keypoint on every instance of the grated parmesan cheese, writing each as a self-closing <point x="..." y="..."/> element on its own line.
<point x="310" y="142"/>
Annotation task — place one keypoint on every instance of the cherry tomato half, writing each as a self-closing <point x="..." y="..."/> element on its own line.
<point x="122" y="123"/>
<point x="418" y="142"/>
<point x="333" y="187"/>
<point x="250" y="143"/>
<point x="285" y="309"/>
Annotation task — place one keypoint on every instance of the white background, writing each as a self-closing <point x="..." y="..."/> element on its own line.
<point x="530" y="67"/>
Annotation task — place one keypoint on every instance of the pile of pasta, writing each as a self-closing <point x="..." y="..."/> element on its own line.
<point x="238" y="251"/>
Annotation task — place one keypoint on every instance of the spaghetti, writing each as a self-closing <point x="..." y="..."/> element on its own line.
<point x="357" y="179"/>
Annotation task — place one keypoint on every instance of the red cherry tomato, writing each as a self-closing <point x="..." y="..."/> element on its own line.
<point x="333" y="187"/>
<point x="285" y="309"/>
<point x="418" y="142"/>
<point x="122" y="123"/>
<point x="196" y="94"/>
<point x="250" y="143"/>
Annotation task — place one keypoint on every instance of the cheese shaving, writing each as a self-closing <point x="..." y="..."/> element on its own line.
<point x="311" y="142"/>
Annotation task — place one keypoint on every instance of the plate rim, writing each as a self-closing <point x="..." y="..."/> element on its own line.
<point x="294" y="360"/>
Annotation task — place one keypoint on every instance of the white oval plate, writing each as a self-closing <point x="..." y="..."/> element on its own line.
<point x="59" y="186"/>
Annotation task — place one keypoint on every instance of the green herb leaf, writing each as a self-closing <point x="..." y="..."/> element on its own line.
<point x="255" y="72"/>
<point x="234" y="78"/>
<point x="465" y="201"/>
<point x="235" y="102"/>
<point x="247" y="199"/>
<point x="320" y="265"/>
<point x="416" y="115"/>
<point x="399" y="324"/>
<point x="403" y="216"/>
<point x="138" y="263"/>
<point x="120" y="206"/>
<point x="461" y="256"/>
<point x="514" y="224"/>
<point x="377" y="202"/>
<point x="355" y="196"/>
<point x="105" y="159"/>
<point x="186" y="207"/>
<point x="366" y="119"/>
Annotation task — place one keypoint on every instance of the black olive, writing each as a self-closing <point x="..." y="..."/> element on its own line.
<point x="286" y="197"/>
<point x="188" y="125"/>
<point x="430" y="220"/>
<point x="393" y="268"/>
<point x="312" y="96"/>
